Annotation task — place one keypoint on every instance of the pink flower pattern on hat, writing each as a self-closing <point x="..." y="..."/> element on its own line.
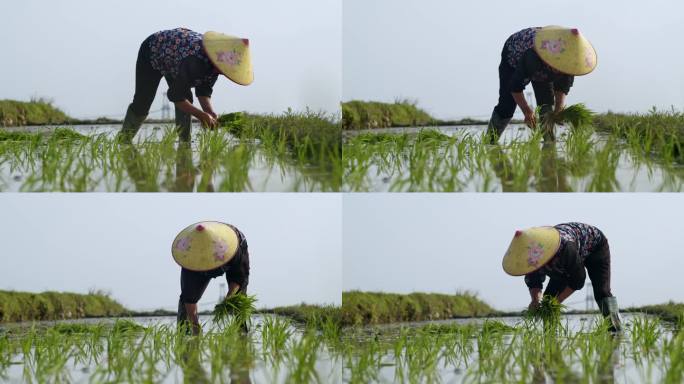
<point x="183" y="244"/>
<point x="535" y="252"/>
<point x="229" y="57"/>
<point x="553" y="46"/>
<point x="220" y="249"/>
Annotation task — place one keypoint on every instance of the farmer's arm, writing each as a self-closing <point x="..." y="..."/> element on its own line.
<point x="561" y="87"/>
<point x="205" y="102"/>
<point x="237" y="273"/>
<point x="180" y="92"/>
<point x="535" y="282"/>
<point x="572" y="263"/>
<point x="528" y="65"/>
<point x="203" y="93"/>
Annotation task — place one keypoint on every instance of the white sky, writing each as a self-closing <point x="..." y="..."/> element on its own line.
<point x="448" y="242"/>
<point x="446" y="54"/>
<point x="122" y="243"/>
<point x="82" y="53"/>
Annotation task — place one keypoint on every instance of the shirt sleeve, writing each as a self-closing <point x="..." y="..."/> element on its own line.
<point x="574" y="266"/>
<point x="562" y="83"/>
<point x="529" y="64"/>
<point x="190" y="70"/>
<point x="535" y="280"/>
<point x="206" y="88"/>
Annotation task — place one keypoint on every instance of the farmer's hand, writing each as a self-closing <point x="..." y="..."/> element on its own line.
<point x="208" y="121"/>
<point x="530" y="118"/>
<point x="533" y="305"/>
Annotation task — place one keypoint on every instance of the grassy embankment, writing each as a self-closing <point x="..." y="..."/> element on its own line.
<point x="25" y="306"/>
<point x="658" y="132"/>
<point x="35" y="112"/>
<point x="358" y="114"/>
<point x="363" y="308"/>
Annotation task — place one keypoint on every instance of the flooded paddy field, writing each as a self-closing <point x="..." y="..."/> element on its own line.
<point x="514" y="350"/>
<point x="88" y="158"/>
<point x="275" y="350"/>
<point x="458" y="159"/>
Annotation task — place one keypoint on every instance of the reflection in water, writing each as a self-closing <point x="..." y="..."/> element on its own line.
<point x="237" y="357"/>
<point x="552" y="171"/>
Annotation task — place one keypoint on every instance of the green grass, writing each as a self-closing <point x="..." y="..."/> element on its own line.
<point x="377" y="308"/>
<point x="315" y="316"/>
<point x="358" y="114"/>
<point x="25" y="306"/>
<point x="35" y="112"/>
<point x="671" y="311"/>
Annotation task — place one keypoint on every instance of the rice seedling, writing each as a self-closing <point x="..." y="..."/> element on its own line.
<point x="238" y="307"/>
<point x="302" y="150"/>
<point x="585" y="158"/>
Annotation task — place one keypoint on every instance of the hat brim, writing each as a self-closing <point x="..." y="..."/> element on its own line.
<point x="531" y="250"/>
<point x="200" y="252"/>
<point x="230" y="55"/>
<point x="565" y="50"/>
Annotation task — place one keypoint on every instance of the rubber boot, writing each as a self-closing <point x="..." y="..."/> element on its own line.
<point x="182" y="321"/>
<point x="130" y="127"/>
<point x="183" y="125"/>
<point x="610" y="311"/>
<point x="496" y="127"/>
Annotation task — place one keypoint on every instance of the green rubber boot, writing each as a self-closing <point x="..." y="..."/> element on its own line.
<point x="130" y="127"/>
<point x="496" y="127"/>
<point x="548" y="127"/>
<point x="610" y="311"/>
<point x="183" y="125"/>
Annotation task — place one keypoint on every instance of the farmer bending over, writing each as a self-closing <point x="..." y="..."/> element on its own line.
<point x="562" y="252"/>
<point x="204" y="251"/>
<point x="186" y="59"/>
<point x="548" y="57"/>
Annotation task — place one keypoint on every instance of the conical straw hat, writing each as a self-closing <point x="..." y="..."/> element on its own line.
<point x="230" y="55"/>
<point x="530" y="250"/>
<point x="565" y="49"/>
<point x="205" y="246"/>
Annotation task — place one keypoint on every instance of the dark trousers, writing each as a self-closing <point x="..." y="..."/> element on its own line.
<point x="146" y="84"/>
<point x="598" y="269"/>
<point x="543" y="92"/>
<point x="193" y="284"/>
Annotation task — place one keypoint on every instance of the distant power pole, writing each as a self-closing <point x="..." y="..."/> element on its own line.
<point x="590" y="296"/>
<point x="166" y="108"/>
<point x="222" y="292"/>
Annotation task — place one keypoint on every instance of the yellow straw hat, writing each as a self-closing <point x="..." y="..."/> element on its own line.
<point x="230" y="55"/>
<point x="530" y="250"/>
<point x="565" y="49"/>
<point x="205" y="246"/>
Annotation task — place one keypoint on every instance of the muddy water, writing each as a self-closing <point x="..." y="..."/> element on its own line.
<point x="260" y="370"/>
<point x="624" y="365"/>
<point x="192" y="173"/>
<point x="557" y="173"/>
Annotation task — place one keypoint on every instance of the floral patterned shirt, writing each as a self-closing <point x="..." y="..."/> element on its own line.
<point x="577" y="242"/>
<point x="179" y="55"/>
<point x="527" y="66"/>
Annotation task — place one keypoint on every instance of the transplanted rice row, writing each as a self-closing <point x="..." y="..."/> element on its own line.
<point x="125" y="351"/>
<point x="292" y="152"/>
<point x="613" y="154"/>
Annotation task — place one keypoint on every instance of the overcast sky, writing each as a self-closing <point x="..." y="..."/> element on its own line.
<point x="82" y="53"/>
<point x="122" y="243"/>
<point x="448" y="242"/>
<point x="446" y="54"/>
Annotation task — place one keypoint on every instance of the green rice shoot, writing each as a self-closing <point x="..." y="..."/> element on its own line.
<point x="239" y="307"/>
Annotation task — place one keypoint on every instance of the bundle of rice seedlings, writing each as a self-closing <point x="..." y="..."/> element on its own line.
<point x="238" y="306"/>
<point x="548" y="311"/>
<point x="576" y="115"/>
